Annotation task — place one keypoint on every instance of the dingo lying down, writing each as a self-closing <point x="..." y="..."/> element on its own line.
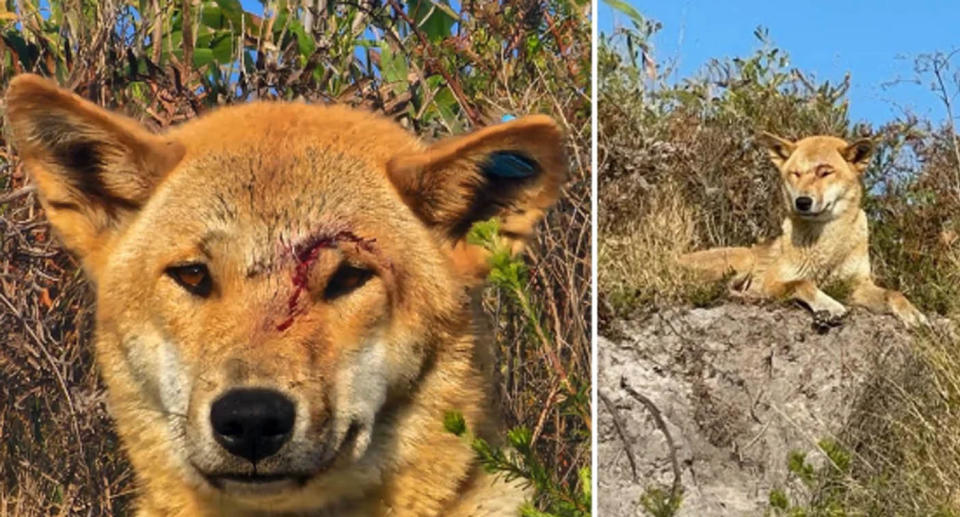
<point x="824" y="236"/>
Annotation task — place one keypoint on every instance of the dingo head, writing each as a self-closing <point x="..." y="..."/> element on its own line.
<point x="273" y="280"/>
<point x="821" y="174"/>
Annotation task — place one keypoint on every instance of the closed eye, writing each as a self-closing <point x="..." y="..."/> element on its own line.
<point x="346" y="279"/>
<point x="194" y="278"/>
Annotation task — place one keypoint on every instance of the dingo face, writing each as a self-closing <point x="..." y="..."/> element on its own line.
<point x="275" y="281"/>
<point x="820" y="174"/>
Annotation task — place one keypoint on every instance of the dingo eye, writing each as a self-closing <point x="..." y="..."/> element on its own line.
<point x="825" y="172"/>
<point x="195" y="278"/>
<point x="345" y="279"/>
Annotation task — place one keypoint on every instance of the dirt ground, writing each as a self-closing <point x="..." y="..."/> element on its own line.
<point x="737" y="387"/>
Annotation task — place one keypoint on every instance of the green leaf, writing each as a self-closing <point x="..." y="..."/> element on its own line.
<point x="484" y="233"/>
<point x="628" y="10"/>
<point x="222" y="47"/>
<point x="213" y="17"/>
<point x="202" y="57"/>
<point x="446" y="106"/>
<point x="139" y="90"/>
<point x="520" y="438"/>
<point x="232" y="9"/>
<point x="432" y="20"/>
<point x="305" y="43"/>
<point x="585" y="483"/>
<point x="393" y="67"/>
<point x="454" y="422"/>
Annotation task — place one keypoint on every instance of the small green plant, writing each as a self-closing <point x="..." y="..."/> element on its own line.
<point x="661" y="503"/>
<point x="519" y="460"/>
<point x="798" y="466"/>
<point x="778" y="500"/>
<point x="520" y="457"/>
<point x="824" y="487"/>
<point x="509" y="274"/>
<point x="836" y="453"/>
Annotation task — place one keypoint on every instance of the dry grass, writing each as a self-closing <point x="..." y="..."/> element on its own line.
<point x="58" y="453"/>
<point x="908" y="457"/>
<point x="640" y="256"/>
<point x="57" y="443"/>
<point x="902" y="456"/>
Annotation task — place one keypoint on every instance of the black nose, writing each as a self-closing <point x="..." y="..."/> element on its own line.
<point x="803" y="203"/>
<point x="252" y="423"/>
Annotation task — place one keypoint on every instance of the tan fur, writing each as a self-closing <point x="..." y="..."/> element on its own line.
<point x="372" y="371"/>
<point x="828" y="242"/>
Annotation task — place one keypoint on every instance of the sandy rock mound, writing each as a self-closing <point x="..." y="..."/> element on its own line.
<point x="738" y="387"/>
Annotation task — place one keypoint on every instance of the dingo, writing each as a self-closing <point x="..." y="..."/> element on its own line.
<point x="284" y="297"/>
<point x="824" y="236"/>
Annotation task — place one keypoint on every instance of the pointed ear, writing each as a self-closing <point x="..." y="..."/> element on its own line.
<point x="93" y="169"/>
<point x="779" y="149"/>
<point x="512" y="171"/>
<point x="859" y="154"/>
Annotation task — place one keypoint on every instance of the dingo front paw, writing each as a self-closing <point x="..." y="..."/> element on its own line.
<point x="913" y="317"/>
<point x="907" y="312"/>
<point x="823" y="321"/>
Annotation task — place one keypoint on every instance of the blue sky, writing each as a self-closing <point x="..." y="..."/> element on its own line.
<point x="875" y="41"/>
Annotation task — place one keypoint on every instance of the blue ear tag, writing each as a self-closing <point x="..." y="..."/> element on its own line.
<point x="507" y="118"/>
<point x="509" y="164"/>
